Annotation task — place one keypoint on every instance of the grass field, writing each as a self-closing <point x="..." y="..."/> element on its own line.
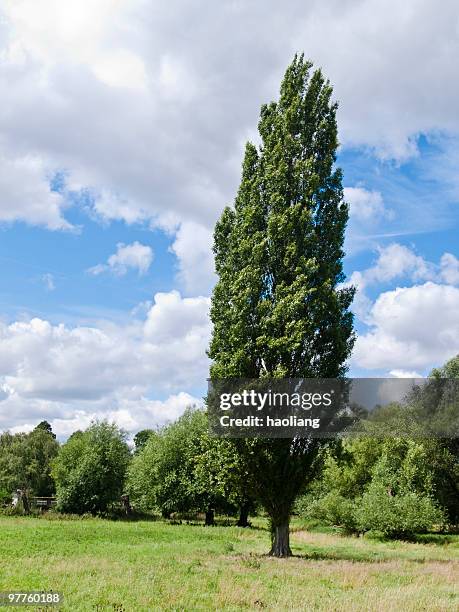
<point x="148" y="565"/>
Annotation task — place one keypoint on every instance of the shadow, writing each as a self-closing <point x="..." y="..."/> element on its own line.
<point x="439" y="539"/>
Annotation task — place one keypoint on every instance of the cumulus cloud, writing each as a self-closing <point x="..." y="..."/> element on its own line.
<point x="133" y="256"/>
<point x="411" y="327"/>
<point x="56" y="372"/>
<point x="397" y="262"/>
<point x="449" y="265"/>
<point x="366" y="205"/>
<point x="130" y="414"/>
<point x="193" y="248"/>
<point x="154" y="121"/>
<point x="25" y="193"/>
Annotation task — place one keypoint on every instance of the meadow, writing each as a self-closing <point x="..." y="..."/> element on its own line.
<point x="156" y="565"/>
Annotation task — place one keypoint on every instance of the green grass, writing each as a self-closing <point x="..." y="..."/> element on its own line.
<point x="148" y="565"/>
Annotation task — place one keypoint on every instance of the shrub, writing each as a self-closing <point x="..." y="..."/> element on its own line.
<point x="396" y="515"/>
<point x="5" y="498"/>
<point x="331" y="509"/>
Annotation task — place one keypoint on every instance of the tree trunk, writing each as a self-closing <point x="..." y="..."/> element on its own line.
<point x="280" y="538"/>
<point x="25" y="502"/>
<point x="210" y="520"/>
<point x="126" y="505"/>
<point x="243" y="515"/>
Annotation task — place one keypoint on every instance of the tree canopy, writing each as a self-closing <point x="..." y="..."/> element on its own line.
<point x="279" y="308"/>
<point x="90" y="469"/>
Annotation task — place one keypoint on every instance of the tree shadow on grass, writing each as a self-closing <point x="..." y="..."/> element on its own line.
<point x="440" y="539"/>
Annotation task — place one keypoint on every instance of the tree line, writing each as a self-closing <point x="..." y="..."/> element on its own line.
<point x="398" y="486"/>
<point x="394" y="485"/>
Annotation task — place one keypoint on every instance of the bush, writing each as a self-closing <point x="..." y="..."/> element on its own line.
<point x="331" y="509"/>
<point x="5" y="498"/>
<point x="400" y="515"/>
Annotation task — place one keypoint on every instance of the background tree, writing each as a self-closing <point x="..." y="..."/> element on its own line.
<point x="376" y="481"/>
<point x="141" y="438"/>
<point x="184" y="469"/>
<point x="90" y="469"/>
<point x="276" y="309"/>
<point x="25" y="461"/>
<point x="219" y="467"/>
<point x="46" y="427"/>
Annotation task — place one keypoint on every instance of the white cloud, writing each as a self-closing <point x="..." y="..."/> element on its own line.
<point x="121" y="69"/>
<point x="405" y="374"/>
<point x="25" y="194"/>
<point x="193" y="249"/>
<point x="449" y="265"/>
<point x="133" y="256"/>
<point x="73" y="374"/>
<point x="131" y="415"/>
<point x="174" y="318"/>
<point x="366" y="205"/>
<point x="395" y="261"/>
<point x="154" y="121"/>
<point x="412" y="327"/>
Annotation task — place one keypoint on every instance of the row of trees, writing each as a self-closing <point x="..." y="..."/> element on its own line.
<point x="394" y="485"/>
<point x="180" y="468"/>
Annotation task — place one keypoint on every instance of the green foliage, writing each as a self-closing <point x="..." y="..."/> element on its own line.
<point x="332" y="509"/>
<point x="46" y="427"/>
<point x="183" y="469"/>
<point x="141" y="438"/>
<point x="277" y="309"/>
<point x="5" y="497"/>
<point x="25" y="461"/>
<point x="397" y="515"/>
<point x="449" y="370"/>
<point x="348" y="466"/>
<point x="377" y="484"/>
<point x="90" y="469"/>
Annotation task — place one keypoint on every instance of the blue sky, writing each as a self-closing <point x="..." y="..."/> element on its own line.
<point x="122" y="129"/>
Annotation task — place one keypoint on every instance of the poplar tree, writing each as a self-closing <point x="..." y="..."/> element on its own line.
<point x="279" y="309"/>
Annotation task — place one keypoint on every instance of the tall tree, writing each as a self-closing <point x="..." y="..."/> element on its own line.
<point x="184" y="469"/>
<point x="277" y="308"/>
<point x="25" y="461"/>
<point x="90" y="469"/>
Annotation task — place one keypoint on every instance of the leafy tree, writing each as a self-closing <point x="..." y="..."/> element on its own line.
<point x="141" y="438"/>
<point x="46" y="427"/>
<point x="277" y="309"/>
<point x="90" y="469"/>
<point x="449" y="370"/>
<point x="25" y="461"/>
<point x="184" y="469"/>
<point x="396" y="515"/>
<point x="443" y="453"/>
<point x="162" y="475"/>
<point x="219" y="467"/>
<point x="143" y="478"/>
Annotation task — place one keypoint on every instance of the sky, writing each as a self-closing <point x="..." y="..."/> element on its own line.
<point x="122" y="130"/>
